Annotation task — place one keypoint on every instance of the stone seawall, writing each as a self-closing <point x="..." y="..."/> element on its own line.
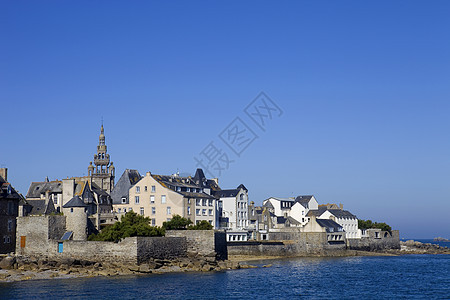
<point x="291" y="244"/>
<point x="203" y="242"/>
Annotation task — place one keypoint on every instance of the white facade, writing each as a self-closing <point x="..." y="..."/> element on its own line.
<point x="281" y="206"/>
<point x="349" y="224"/>
<point x="235" y="208"/>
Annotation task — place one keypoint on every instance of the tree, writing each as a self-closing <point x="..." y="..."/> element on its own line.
<point x="203" y="225"/>
<point x="368" y="224"/>
<point x="131" y="224"/>
<point x="177" y="223"/>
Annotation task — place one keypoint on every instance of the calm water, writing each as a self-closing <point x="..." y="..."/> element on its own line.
<point x="404" y="277"/>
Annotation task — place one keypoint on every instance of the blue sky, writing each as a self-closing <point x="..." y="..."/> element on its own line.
<point x="364" y="89"/>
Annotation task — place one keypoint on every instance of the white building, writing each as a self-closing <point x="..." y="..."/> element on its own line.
<point x="301" y="207"/>
<point x="232" y="208"/>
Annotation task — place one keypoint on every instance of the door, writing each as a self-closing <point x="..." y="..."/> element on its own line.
<point x="60" y="247"/>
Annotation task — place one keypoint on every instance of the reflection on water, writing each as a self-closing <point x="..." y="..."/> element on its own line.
<point x="415" y="276"/>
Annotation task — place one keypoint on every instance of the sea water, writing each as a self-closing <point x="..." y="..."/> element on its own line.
<point x="376" y="277"/>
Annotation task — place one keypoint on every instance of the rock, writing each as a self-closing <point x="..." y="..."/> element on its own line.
<point x="192" y="254"/>
<point x="7" y="263"/>
<point x="207" y="268"/>
<point x="133" y="268"/>
<point x="144" y="269"/>
<point x="267" y="266"/>
<point x="67" y="261"/>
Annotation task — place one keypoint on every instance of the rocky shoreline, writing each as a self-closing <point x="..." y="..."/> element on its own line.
<point x="18" y="268"/>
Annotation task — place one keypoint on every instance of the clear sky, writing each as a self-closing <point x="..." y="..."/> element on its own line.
<point x="363" y="87"/>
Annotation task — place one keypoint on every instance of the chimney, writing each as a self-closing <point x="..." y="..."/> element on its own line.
<point x="341" y="206"/>
<point x="47" y="197"/>
<point x="149" y="174"/>
<point x="4" y="173"/>
<point x="216" y="180"/>
<point x="333" y="218"/>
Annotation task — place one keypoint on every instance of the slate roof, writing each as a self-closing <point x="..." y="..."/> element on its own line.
<point x="126" y="181"/>
<point x="339" y="213"/>
<point x="293" y="221"/>
<point x="281" y="220"/>
<point x="75" y="202"/>
<point x="303" y="200"/>
<point x="38" y="207"/>
<point x="37" y="188"/>
<point x="330" y="225"/>
<point x="7" y="191"/>
<point x="196" y="195"/>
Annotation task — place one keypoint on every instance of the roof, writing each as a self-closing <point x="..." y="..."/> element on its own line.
<point x="75" y="202"/>
<point x="340" y="213"/>
<point x="317" y="212"/>
<point x="226" y="193"/>
<point x="281" y="220"/>
<point x="196" y="195"/>
<point x="39" y="207"/>
<point x="330" y="225"/>
<point x="304" y="200"/>
<point x="7" y="191"/>
<point x="292" y="221"/>
<point x="37" y="188"/>
<point x="127" y="180"/>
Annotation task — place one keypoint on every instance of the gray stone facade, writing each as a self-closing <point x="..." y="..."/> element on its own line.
<point x="376" y="240"/>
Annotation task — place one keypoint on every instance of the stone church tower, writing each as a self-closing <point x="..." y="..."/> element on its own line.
<point x="102" y="172"/>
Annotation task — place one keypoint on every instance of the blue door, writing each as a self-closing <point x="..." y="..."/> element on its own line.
<point x="60" y="247"/>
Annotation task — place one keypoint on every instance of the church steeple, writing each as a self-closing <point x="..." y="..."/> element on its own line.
<point x="102" y="171"/>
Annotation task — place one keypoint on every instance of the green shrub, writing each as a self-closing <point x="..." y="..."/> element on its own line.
<point x="131" y="224"/>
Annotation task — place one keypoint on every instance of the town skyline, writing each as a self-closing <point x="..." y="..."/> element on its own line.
<point x="364" y="99"/>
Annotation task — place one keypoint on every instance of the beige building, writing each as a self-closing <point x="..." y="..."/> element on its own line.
<point x="160" y="197"/>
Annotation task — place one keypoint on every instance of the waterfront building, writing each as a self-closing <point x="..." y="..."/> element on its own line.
<point x="343" y="217"/>
<point x="9" y="210"/>
<point x="160" y="197"/>
<point x="232" y="208"/>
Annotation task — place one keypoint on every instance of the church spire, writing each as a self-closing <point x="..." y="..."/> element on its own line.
<point x="102" y="168"/>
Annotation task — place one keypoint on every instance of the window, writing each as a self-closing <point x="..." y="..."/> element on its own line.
<point x="10" y="225"/>
<point x="138" y="189"/>
<point x="71" y="209"/>
<point x="210" y="222"/>
<point x="163" y="199"/>
<point x="169" y="211"/>
<point x="210" y="202"/>
<point x="168" y="219"/>
<point x="124" y="210"/>
<point x="204" y="202"/>
<point x="153" y="188"/>
<point x="153" y="222"/>
<point x="241" y="197"/>
<point x="188" y="189"/>
<point x="153" y="210"/>
<point x="145" y="188"/>
<point x="197" y="202"/>
<point x="178" y="189"/>
<point x="197" y="212"/>
<point x="210" y="212"/>
<point x="55" y="198"/>
<point x="6" y="239"/>
<point x="194" y="190"/>
<point x="142" y="211"/>
<point x="10" y="208"/>
<point x="119" y="210"/>
<point x="189" y="201"/>
<point x="188" y="210"/>
<point x="152" y="199"/>
<point x="136" y="199"/>
<point x="204" y="212"/>
<point x="124" y="200"/>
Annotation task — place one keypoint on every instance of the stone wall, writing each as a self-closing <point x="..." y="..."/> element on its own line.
<point x="35" y="231"/>
<point x="203" y="242"/>
<point x="290" y="244"/>
<point x="382" y="241"/>
<point x="160" y="248"/>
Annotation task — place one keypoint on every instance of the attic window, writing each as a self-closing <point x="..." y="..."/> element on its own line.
<point x="37" y="188"/>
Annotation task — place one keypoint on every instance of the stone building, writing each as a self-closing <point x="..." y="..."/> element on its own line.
<point x="9" y="210"/>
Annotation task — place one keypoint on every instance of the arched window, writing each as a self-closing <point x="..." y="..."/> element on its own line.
<point x="241" y="197"/>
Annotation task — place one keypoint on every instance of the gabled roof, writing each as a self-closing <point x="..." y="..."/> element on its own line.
<point x="304" y="200"/>
<point x="39" y="207"/>
<point x="7" y="191"/>
<point x="126" y="181"/>
<point x="226" y="193"/>
<point x="329" y="224"/>
<point x="75" y="202"/>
